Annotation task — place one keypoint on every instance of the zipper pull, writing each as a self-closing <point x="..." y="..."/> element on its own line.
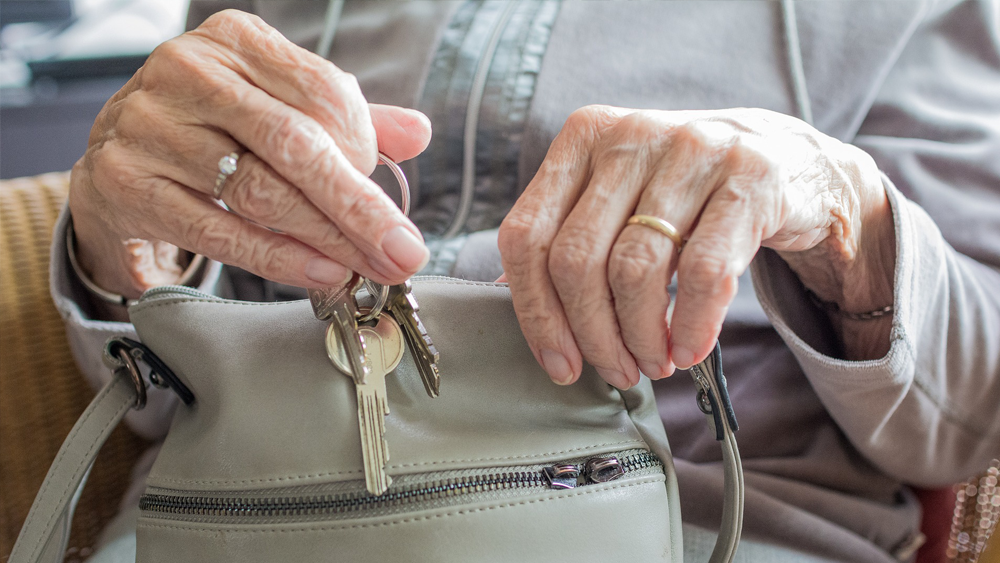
<point x="603" y="469"/>
<point x="594" y="470"/>
<point x="562" y="476"/>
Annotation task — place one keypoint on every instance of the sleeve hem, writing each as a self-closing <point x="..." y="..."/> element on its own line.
<point x="805" y="329"/>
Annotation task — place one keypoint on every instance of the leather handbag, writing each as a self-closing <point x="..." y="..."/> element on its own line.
<point x="262" y="461"/>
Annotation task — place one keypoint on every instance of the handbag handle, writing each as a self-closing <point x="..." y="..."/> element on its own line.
<point x="46" y="530"/>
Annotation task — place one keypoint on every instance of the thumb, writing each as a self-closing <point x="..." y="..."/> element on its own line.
<point x="402" y="133"/>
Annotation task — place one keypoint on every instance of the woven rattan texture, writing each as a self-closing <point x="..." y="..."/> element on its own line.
<point x="41" y="391"/>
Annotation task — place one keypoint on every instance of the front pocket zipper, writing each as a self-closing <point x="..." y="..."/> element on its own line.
<point x="439" y="490"/>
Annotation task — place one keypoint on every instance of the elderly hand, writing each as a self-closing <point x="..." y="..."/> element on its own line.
<point x="305" y="212"/>
<point x="585" y="285"/>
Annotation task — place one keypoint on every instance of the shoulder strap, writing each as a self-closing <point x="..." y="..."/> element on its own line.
<point x="713" y="400"/>
<point x="46" y="530"/>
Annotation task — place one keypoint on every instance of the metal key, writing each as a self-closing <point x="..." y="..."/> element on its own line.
<point x="342" y="308"/>
<point x="384" y="351"/>
<point x="403" y="306"/>
<point x="323" y="299"/>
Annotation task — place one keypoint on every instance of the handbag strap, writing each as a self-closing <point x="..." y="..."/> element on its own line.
<point x="46" y="529"/>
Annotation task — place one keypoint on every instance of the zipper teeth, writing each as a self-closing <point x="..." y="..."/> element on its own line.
<point x="185" y="291"/>
<point x="344" y="503"/>
<point x="175" y="290"/>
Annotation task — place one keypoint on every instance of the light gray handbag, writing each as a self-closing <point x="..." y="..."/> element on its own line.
<point x="264" y="463"/>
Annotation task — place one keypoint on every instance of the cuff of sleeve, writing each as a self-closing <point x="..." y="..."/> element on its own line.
<point x="901" y="411"/>
<point x="804" y="327"/>
<point x="86" y="335"/>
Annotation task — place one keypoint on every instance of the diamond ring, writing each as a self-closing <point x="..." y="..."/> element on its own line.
<point x="227" y="167"/>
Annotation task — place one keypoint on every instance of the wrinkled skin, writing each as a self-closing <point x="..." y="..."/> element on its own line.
<point x="312" y="140"/>
<point x="585" y="286"/>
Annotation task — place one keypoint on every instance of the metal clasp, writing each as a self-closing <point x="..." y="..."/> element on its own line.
<point x="125" y="354"/>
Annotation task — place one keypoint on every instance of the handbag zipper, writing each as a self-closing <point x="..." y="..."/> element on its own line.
<point x="599" y="469"/>
<point x="167" y="291"/>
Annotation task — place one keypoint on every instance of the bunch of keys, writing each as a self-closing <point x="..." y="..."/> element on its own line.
<point x="367" y="345"/>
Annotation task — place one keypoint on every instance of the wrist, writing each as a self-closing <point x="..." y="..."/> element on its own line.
<point x="852" y="271"/>
<point x="853" y="267"/>
<point x="114" y="263"/>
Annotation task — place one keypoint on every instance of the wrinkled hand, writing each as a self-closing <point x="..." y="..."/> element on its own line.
<point x="311" y="139"/>
<point x="586" y="286"/>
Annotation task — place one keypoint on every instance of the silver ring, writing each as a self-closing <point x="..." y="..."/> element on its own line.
<point x="227" y="167"/>
<point x="404" y="186"/>
<point x="381" y="292"/>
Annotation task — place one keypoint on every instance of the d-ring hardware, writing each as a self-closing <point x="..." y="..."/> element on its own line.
<point x="130" y="352"/>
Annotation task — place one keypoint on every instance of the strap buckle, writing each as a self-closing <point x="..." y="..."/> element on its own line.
<point x="124" y="354"/>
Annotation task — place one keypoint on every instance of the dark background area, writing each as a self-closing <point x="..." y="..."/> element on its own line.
<point x="44" y="128"/>
<point x="44" y="125"/>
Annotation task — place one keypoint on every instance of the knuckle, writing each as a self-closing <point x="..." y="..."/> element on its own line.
<point x="361" y="206"/>
<point x="230" y="19"/>
<point x="259" y="196"/>
<point x="113" y="167"/>
<point x="364" y="213"/>
<point x="633" y="265"/>
<point x="170" y="63"/>
<point x="586" y="120"/>
<point x="706" y="274"/>
<point x="166" y="52"/>
<point x="216" y="243"/>
<point x="341" y="81"/>
<point x="514" y="234"/>
<point x="750" y="161"/>
<point x="297" y="143"/>
<point x="218" y="93"/>
<point x="333" y="242"/>
<point x="739" y="195"/>
<point x="572" y="260"/>
<point x="271" y="261"/>
<point x="519" y="237"/>
<point x="692" y="137"/>
<point x="138" y="116"/>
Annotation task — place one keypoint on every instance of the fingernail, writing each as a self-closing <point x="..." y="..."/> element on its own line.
<point x="327" y="272"/>
<point x="682" y="357"/>
<point x="557" y="367"/>
<point x="405" y="249"/>
<point x="614" y="377"/>
<point x="650" y="369"/>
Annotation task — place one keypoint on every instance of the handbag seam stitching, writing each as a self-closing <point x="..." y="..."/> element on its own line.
<point x="651" y="479"/>
<point x="399" y="466"/>
<point x="220" y="301"/>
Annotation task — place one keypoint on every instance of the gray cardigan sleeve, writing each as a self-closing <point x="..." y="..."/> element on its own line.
<point x="87" y="335"/>
<point x="926" y="413"/>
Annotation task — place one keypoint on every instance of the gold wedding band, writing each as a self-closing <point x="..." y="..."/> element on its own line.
<point x="660" y="226"/>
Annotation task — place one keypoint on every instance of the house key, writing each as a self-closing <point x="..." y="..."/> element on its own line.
<point x="341" y="307"/>
<point x="383" y="352"/>
<point x="403" y="306"/>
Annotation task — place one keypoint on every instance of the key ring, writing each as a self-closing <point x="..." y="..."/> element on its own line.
<point x="382" y="291"/>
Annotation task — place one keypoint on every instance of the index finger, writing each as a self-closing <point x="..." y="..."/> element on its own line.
<point x="302" y="152"/>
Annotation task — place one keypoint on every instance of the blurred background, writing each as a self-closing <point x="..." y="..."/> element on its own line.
<point x="60" y="60"/>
